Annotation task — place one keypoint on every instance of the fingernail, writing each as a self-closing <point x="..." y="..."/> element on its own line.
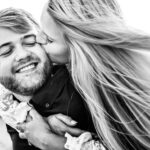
<point x="73" y="122"/>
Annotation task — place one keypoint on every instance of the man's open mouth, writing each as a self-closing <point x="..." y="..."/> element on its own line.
<point x="27" y="67"/>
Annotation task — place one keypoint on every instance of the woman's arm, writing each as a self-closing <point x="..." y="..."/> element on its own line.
<point x="38" y="133"/>
<point x="61" y="124"/>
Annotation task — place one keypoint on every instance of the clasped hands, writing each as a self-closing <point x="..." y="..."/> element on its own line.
<point x="47" y="133"/>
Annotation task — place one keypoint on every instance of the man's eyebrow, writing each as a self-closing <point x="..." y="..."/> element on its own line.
<point x="5" y="44"/>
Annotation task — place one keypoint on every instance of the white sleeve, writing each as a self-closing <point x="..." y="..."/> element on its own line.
<point x="83" y="142"/>
<point x="11" y="111"/>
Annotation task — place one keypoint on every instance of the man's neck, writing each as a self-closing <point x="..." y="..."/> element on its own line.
<point x="22" y="98"/>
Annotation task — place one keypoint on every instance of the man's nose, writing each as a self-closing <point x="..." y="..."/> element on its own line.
<point x="21" y="53"/>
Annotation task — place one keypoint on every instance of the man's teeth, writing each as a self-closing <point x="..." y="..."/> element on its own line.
<point x="27" y="68"/>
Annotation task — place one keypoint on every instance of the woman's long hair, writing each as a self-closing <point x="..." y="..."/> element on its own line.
<point x="105" y="69"/>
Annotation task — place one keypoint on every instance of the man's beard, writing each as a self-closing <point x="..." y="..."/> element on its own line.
<point x="15" y="86"/>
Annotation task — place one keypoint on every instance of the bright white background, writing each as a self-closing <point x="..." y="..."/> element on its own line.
<point x="32" y="6"/>
<point x="136" y="12"/>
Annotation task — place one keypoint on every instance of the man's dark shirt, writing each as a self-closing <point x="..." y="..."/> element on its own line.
<point x="58" y="95"/>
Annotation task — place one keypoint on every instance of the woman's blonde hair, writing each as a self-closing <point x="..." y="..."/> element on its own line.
<point x="105" y="71"/>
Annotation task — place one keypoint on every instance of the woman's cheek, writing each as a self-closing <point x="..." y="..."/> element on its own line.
<point x="58" y="53"/>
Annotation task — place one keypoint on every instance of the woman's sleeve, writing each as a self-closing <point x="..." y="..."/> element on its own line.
<point x="84" y="142"/>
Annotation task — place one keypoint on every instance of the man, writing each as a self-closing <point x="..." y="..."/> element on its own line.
<point x="26" y="70"/>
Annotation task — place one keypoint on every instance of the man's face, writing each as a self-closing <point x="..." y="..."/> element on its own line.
<point x="24" y="65"/>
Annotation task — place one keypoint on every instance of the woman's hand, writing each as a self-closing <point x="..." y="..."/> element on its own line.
<point x="60" y="124"/>
<point x="38" y="133"/>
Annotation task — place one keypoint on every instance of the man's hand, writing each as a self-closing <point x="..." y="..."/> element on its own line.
<point x="60" y="124"/>
<point x="38" y="133"/>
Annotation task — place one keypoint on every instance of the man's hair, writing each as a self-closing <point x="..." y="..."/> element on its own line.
<point x="17" y="20"/>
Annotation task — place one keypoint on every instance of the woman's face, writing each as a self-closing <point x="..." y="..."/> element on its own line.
<point x="57" y="48"/>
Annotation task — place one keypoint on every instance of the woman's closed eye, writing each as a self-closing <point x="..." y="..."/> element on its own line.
<point x="43" y="39"/>
<point x="49" y="40"/>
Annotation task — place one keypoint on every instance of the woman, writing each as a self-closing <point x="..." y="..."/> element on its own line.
<point x="109" y="64"/>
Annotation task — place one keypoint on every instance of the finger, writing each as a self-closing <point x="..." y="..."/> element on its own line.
<point x="22" y="135"/>
<point x="66" y="119"/>
<point x="28" y="118"/>
<point x="57" y="126"/>
<point x="21" y="127"/>
<point x="33" y="113"/>
<point x="74" y="131"/>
